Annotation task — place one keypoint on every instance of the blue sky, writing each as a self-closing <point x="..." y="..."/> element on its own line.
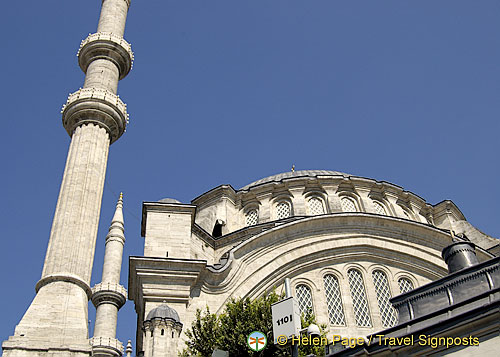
<point x="231" y="91"/>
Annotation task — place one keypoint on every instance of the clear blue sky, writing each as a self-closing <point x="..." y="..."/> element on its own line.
<point x="231" y="91"/>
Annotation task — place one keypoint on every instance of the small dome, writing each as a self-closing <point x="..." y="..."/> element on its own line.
<point x="163" y="312"/>
<point x="169" y="200"/>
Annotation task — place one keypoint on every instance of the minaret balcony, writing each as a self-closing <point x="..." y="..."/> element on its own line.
<point x="110" y="293"/>
<point x="106" y="346"/>
<point x="106" y="46"/>
<point x="95" y="106"/>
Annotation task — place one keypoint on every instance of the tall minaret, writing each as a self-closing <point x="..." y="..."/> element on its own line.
<point x="57" y="320"/>
<point x="109" y="296"/>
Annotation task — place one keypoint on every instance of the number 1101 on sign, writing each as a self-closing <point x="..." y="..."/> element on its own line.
<point x="285" y="320"/>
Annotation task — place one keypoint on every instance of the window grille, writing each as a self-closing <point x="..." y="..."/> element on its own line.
<point x="359" y="301"/>
<point x="252" y="217"/>
<point x="387" y="312"/>
<point x="304" y="298"/>
<point x="283" y="210"/>
<point x="379" y="209"/>
<point x="405" y="285"/>
<point x="348" y="205"/>
<point x="334" y="300"/>
<point x="316" y="206"/>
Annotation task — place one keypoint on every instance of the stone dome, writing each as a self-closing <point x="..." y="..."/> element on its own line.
<point x="294" y="174"/>
<point x="163" y="312"/>
<point x="169" y="200"/>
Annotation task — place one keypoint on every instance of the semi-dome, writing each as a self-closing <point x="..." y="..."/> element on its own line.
<point x="163" y="312"/>
<point x="293" y="174"/>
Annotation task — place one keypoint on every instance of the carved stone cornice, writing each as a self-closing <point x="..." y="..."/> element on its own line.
<point x="106" y="46"/>
<point x="178" y="277"/>
<point x="109" y="293"/>
<point x="69" y="278"/>
<point x="95" y="106"/>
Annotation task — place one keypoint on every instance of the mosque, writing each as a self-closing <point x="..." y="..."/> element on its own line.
<point x="349" y="244"/>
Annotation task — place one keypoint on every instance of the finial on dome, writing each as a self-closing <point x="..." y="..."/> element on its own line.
<point x="293" y="168"/>
<point x="121" y="195"/>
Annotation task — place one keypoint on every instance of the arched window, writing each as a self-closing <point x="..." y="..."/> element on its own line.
<point x="316" y="206"/>
<point x="379" y="208"/>
<point x="348" y="204"/>
<point x="162" y="332"/>
<point x="252" y="217"/>
<point x="217" y="231"/>
<point x="387" y="312"/>
<point x="405" y="285"/>
<point x="283" y="210"/>
<point x="304" y="298"/>
<point x="334" y="300"/>
<point x="359" y="301"/>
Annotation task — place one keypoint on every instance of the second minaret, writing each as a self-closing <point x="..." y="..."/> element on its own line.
<point x="109" y="296"/>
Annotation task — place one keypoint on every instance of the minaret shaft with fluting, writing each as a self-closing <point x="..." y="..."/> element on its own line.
<point x="94" y="117"/>
<point x="76" y="218"/>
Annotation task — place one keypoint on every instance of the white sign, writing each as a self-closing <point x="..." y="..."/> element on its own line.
<point x="286" y="318"/>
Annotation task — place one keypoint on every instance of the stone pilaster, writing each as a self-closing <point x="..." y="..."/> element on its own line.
<point x="56" y="322"/>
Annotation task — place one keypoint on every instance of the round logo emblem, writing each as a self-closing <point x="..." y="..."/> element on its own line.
<point x="257" y="341"/>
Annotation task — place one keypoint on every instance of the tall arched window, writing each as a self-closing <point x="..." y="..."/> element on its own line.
<point x="283" y="210"/>
<point x="316" y="206"/>
<point x="348" y="204"/>
<point x="334" y="300"/>
<point x="387" y="312"/>
<point x="359" y="301"/>
<point x="379" y="208"/>
<point x="405" y="285"/>
<point x="252" y="217"/>
<point x="304" y="298"/>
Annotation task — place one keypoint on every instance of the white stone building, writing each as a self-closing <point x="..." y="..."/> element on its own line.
<point x="348" y="244"/>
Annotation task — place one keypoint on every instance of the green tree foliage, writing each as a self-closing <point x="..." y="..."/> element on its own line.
<point x="229" y="330"/>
